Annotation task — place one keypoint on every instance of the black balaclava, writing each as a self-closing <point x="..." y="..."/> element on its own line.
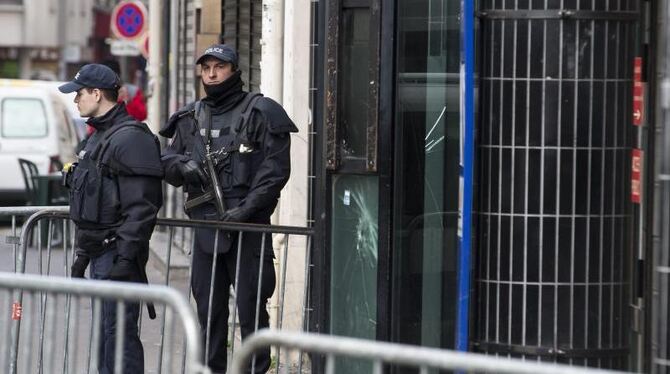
<point x="223" y="96"/>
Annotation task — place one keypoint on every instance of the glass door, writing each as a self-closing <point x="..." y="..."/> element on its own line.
<point x="353" y="181"/>
<point x="426" y="175"/>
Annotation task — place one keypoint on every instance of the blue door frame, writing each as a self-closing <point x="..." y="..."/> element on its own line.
<point x="466" y="172"/>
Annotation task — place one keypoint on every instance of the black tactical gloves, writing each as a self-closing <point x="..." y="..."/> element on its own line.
<point x="236" y="214"/>
<point x="123" y="269"/>
<point x="79" y="266"/>
<point x="193" y="173"/>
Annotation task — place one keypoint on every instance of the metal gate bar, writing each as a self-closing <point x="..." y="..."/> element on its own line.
<point x="122" y="292"/>
<point x="38" y="217"/>
<point x="403" y="355"/>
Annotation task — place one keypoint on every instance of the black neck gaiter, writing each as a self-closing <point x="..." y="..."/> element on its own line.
<point x="223" y="96"/>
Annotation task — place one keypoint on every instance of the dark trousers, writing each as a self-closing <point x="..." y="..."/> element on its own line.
<point x="133" y="353"/>
<point x="246" y="292"/>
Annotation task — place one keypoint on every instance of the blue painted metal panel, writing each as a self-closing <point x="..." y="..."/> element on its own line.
<point x="466" y="172"/>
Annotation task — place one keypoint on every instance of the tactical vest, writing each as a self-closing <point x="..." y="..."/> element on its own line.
<point x="94" y="190"/>
<point x="228" y="133"/>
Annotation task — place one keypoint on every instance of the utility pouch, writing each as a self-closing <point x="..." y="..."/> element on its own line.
<point x="66" y="174"/>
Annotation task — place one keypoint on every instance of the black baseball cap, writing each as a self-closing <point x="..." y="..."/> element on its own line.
<point x="93" y="76"/>
<point x="223" y="52"/>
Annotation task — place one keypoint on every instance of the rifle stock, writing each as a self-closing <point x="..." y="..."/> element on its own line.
<point x="215" y="193"/>
<point x="216" y="190"/>
<point x="196" y="201"/>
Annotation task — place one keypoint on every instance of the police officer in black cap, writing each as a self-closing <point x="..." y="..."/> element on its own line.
<point x="249" y="136"/>
<point x="115" y="194"/>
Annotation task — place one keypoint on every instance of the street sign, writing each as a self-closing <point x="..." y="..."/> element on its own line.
<point x="638" y="93"/>
<point x="636" y="176"/>
<point x="129" y="19"/>
<point x="124" y="47"/>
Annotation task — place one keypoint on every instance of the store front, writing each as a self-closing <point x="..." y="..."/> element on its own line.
<point x="388" y="167"/>
<point x="554" y="246"/>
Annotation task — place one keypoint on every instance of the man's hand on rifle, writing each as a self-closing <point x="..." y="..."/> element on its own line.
<point x="193" y="173"/>
<point x="236" y="214"/>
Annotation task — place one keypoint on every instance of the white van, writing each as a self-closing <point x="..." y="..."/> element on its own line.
<point x="34" y="125"/>
<point x="52" y="86"/>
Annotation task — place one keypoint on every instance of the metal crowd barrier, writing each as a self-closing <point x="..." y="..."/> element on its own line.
<point x="50" y="347"/>
<point x="49" y="262"/>
<point x="380" y="354"/>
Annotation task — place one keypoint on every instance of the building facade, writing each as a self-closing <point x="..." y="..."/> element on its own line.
<point x="44" y="39"/>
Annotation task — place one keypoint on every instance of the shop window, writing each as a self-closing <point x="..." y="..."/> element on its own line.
<point x="351" y="86"/>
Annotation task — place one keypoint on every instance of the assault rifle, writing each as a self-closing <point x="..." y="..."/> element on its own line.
<point x="214" y="192"/>
<point x="212" y="158"/>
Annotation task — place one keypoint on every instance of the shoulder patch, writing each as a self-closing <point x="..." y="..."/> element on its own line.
<point x="277" y="120"/>
<point x="170" y="127"/>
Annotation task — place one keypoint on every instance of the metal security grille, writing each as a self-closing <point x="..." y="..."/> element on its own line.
<point x="242" y="21"/>
<point x="554" y="157"/>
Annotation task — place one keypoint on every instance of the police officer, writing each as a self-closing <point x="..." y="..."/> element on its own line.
<point x="250" y="136"/>
<point x="115" y="194"/>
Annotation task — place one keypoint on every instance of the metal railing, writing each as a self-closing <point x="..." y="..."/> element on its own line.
<point x="42" y="315"/>
<point x="25" y="261"/>
<point x="382" y="353"/>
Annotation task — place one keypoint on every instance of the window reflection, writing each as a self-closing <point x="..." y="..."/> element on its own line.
<point x="353" y="85"/>
<point x="427" y="171"/>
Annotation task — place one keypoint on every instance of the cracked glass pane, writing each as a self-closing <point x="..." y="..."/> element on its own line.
<point x="426" y="184"/>
<point x="354" y="262"/>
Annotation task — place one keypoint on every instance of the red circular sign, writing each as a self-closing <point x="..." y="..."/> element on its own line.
<point x="129" y="19"/>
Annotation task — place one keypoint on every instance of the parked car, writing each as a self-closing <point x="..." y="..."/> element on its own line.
<point x="36" y="125"/>
<point x="52" y="86"/>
